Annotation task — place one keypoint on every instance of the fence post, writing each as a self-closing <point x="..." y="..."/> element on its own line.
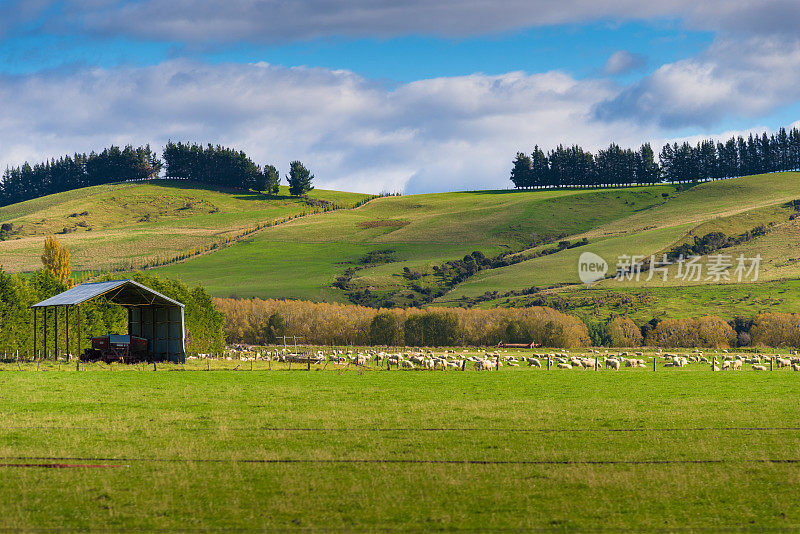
<point x="770" y="363"/>
<point x="548" y="363"/>
<point x="654" y="362"/>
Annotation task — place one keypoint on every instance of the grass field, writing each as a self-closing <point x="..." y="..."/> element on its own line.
<point x="420" y="230"/>
<point x="303" y="258"/>
<point x="108" y="225"/>
<point x="678" y="449"/>
<point x="643" y="303"/>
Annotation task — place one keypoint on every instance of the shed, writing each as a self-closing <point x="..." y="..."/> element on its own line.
<point x="151" y="315"/>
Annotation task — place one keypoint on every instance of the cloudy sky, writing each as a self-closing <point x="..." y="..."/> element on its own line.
<point x="413" y="96"/>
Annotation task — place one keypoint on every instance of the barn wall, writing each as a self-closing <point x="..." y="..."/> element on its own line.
<point x="163" y="327"/>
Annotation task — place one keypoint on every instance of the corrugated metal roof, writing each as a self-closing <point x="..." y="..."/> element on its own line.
<point x="125" y="292"/>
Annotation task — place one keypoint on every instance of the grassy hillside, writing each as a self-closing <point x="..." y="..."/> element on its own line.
<point x="413" y="231"/>
<point x="394" y="250"/>
<point x="114" y="224"/>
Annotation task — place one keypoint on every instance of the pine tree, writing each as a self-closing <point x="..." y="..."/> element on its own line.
<point x="521" y="171"/>
<point x="299" y="179"/>
<point x="272" y="179"/>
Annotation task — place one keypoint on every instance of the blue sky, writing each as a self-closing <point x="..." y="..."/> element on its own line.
<point x="580" y="50"/>
<point x="378" y="95"/>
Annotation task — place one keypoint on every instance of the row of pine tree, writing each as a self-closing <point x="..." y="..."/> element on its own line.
<point x="216" y="166"/>
<point x="707" y="160"/>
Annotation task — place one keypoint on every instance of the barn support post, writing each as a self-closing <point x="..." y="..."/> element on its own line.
<point x="66" y="334"/>
<point x="79" y="332"/>
<point x="44" y="347"/>
<point x="34" y="333"/>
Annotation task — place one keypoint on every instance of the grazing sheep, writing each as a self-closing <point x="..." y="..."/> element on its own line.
<point x="759" y="368"/>
<point x="736" y="365"/>
<point x="407" y="364"/>
<point x="534" y="362"/>
<point x="716" y="368"/>
<point x="564" y="366"/>
<point x="782" y="362"/>
<point x="726" y="365"/>
<point x="796" y="367"/>
<point x="483" y="365"/>
<point x="613" y="364"/>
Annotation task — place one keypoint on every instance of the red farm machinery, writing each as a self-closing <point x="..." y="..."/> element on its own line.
<point x="117" y="348"/>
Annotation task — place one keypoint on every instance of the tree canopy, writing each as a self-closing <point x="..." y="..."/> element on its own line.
<point x="299" y="178"/>
<point x="615" y="166"/>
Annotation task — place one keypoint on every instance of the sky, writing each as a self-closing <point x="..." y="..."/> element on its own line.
<point x="407" y="96"/>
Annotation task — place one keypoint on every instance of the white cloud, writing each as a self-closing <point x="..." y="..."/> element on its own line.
<point x="733" y="78"/>
<point x="429" y="135"/>
<point x="623" y="62"/>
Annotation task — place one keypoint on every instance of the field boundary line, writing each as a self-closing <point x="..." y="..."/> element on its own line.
<point x="451" y="429"/>
<point x="267" y="461"/>
<point x="524" y="430"/>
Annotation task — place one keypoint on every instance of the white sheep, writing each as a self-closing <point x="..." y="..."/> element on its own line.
<point x="759" y="368"/>
<point x="483" y="365"/>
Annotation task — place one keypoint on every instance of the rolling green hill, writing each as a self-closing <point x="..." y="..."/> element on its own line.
<point x="395" y="250"/>
<point x="132" y="223"/>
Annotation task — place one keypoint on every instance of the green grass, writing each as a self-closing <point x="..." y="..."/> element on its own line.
<point x="303" y="258"/>
<point x="184" y="419"/>
<point x="115" y="224"/>
<point x="643" y="303"/>
<point x="422" y="230"/>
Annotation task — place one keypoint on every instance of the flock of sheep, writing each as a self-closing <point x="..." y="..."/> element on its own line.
<point x="592" y="360"/>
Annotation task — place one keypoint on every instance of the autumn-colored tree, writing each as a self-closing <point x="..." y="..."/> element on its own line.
<point x="624" y="333"/>
<point x="708" y="331"/>
<point x="56" y="260"/>
<point x="776" y="330"/>
<point x="337" y="324"/>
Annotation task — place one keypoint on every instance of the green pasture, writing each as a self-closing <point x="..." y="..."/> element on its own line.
<point x="131" y="223"/>
<point x="420" y="230"/>
<point x="114" y="224"/>
<point x="643" y="303"/>
<point x="515" y="449"/>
